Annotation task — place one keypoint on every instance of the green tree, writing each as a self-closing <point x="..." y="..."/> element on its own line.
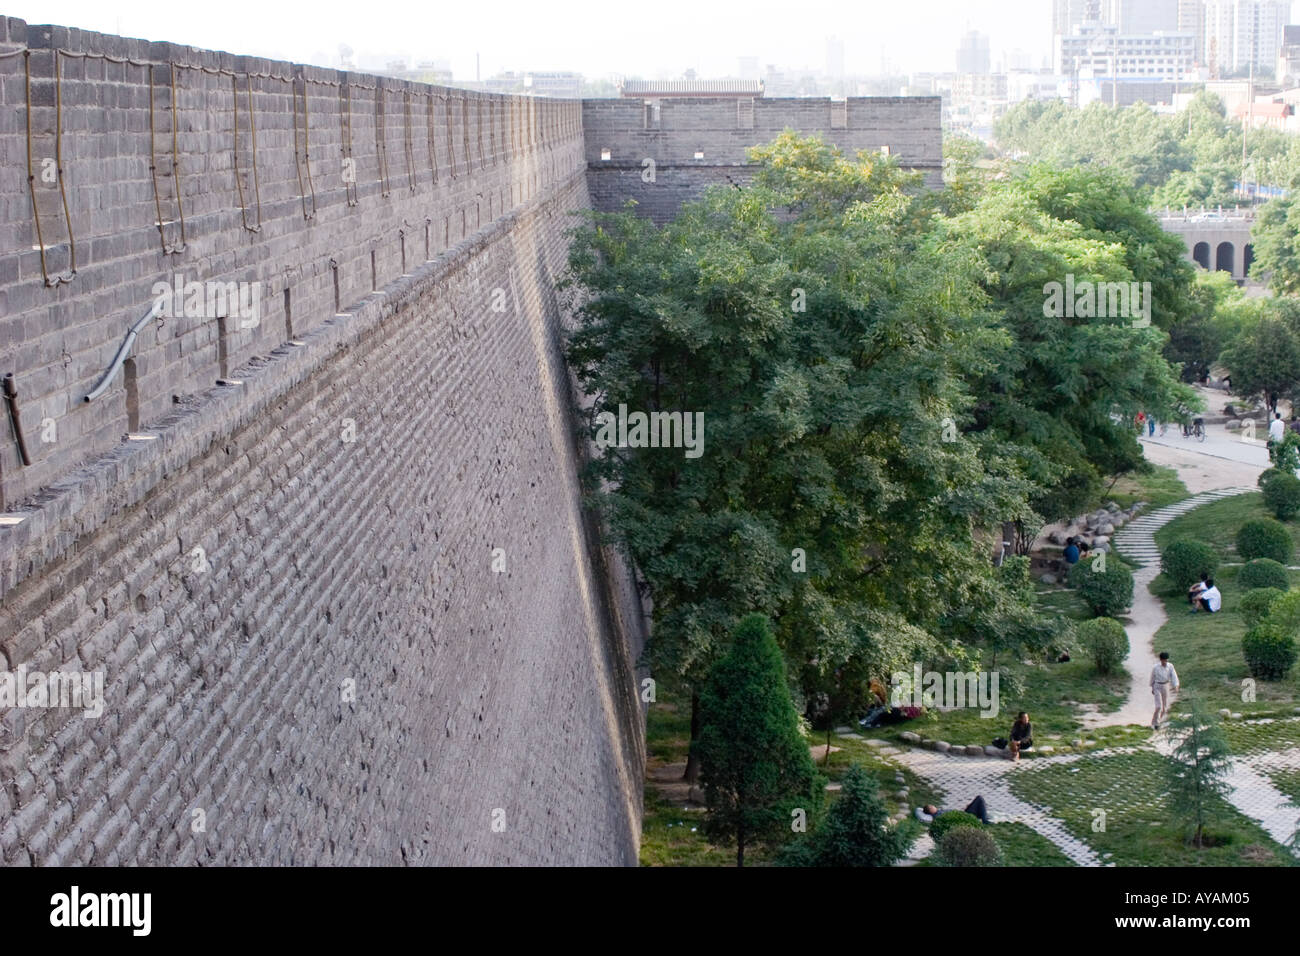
<point x="856" y="830"/>
<point x="1196" y="770"/>
<point x="1277" y="254"/>
<point x="755" y="765"/>
<point x="827" y="345"/>
<point x="1264" y="361"/>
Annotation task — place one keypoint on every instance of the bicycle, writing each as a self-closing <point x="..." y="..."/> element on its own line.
<point x="1198" y="430"/>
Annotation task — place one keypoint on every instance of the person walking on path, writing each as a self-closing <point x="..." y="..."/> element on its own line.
<point x="1276" y="429"/>
<point x="1163" y="679"/>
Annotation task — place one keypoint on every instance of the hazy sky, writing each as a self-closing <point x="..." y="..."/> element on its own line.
<point x="597" y="38"/>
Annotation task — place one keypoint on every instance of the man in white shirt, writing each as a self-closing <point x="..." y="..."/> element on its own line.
<point x="1163" y="679"/>
<point x="1276" y="428"/>
<point x="1209" y="600"/>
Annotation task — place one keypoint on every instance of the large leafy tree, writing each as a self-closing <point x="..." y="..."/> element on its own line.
<point x="1063" y="389"/>
<point x="826" y="342"/>
<point x="1277" y="252"/>
<point x="1264" y="360"/>
<point x="756" y="766"/>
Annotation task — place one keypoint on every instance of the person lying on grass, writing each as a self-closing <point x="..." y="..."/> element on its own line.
<point x="975" y="808"/>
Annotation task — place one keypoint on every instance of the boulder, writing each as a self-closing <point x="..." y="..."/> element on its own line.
<point x="1236" y="716"/>
<point x="1057" y="537"/>
<point x="910" y="737"/>
<point x="941" y="745"/>
<point x="1107" y="529"/>
<point x="1233" y="425"/>
<point x="974" y="750"/>
<point x="1048" y="579"/>
<point x="1225" y="713"/>
<point x="991" y="751"/>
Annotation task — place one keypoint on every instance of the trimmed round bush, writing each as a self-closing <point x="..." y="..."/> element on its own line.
<point x="1267" y="475"/>
<point x="1263" y="573"/>
<point x="950" y="820"/>
<point x="967" y="846"/>
<point x="1269" y="652"/>
<point x="1105" y="641"/>
<point x="1265" y="538"/>
<point x="1107" y="592"/>
<point x="1282" y="496"/>
<point x="1185" y="560"/>
<point x="1255" y="605"/>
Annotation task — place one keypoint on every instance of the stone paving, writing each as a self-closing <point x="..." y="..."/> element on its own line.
<point x="1251" y="791"/>
<point x="1136" y="542"/>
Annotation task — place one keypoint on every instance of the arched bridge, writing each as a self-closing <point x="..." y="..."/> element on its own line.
<point x="1216" y="239"/>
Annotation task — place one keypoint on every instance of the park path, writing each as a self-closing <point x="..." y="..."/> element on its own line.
<point x="1136" y="541"/>
<point x="1213" y="471"/>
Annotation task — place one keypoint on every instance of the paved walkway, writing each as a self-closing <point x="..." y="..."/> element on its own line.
<point x="1218" y="468"/>
<point x="1136" y="541"/>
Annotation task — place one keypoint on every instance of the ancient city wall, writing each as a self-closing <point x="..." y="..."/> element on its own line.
<point x="328" y="554"/>
<point x="700" y="142"/>
<point x="346" y="607"/>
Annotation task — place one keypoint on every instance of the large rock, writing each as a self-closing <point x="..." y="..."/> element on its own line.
<point x="992" y="751"/>
<point x="974" y="750"/>
<point x="910" y="737"/>
<point x="1233" y="426"/>
<point x="1057" y="537"/>
<point x="1107" y="529"/>
<point x="942" y="746"/>
<point x="1048" y="579"/>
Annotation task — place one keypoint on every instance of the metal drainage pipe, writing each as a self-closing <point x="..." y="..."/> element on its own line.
<point x="123" y="351"/>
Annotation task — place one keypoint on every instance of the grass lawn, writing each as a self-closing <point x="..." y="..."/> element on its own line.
<point x="1288" y="782"/>
<point x="1130" y="788"/>
<point x="1206" y="648"/>
<point x="1160" y="487"/>
<point x="671" y="834"/>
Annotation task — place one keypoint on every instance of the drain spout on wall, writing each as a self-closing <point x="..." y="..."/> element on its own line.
<point x="11" y="399"/>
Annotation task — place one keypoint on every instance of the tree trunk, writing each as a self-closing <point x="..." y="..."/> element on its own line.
<point x="827" y="761"/>
<point x="692" y="773"/>
<point x="740" y="846"/>
<point x="1005" y="543"/>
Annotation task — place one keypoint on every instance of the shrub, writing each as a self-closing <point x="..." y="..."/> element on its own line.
<point x="1268" y="651"/>
<point x="1105" y="641"/>
<point x="1263" y="573"/>
<point x="1264" y="537"/>
<point x="1185" y="560"/>
<point x="855" y="832"/>
<point x="1282" y="496"/>
<point x="950" y="820"/>
<point x="1256" y="604"/>
<point x="1267" y="475"/>
<point x="967" y="846"/>
<point x="1107" y="592"/>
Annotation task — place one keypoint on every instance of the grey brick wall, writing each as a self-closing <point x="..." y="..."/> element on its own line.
<point x="481" y="696"/>
<point x="287" y="581"/>
<point x="908" y="126"/>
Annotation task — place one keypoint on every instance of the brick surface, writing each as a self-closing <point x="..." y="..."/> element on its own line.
<point x="288" y="586"/>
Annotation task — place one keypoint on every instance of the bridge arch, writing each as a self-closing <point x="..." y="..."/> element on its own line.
<point x="1201" y="253"/>
<point x="1225" y="257"/>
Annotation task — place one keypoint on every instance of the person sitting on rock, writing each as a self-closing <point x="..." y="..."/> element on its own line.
<point x="975" y="808"/>
<point x="1022" y="735"/>
<point x="1071" y="553"/>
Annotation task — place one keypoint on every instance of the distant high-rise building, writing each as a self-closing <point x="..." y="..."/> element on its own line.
<point x="1136" y="17"/>
<point x="1191" y="19"/>
<point x="973" y="53"/>
<point x="1069" y="15"/>
<point x="748" y="68"/>
<point x="1245" y="34"/>
<point x="835" y="58"/>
